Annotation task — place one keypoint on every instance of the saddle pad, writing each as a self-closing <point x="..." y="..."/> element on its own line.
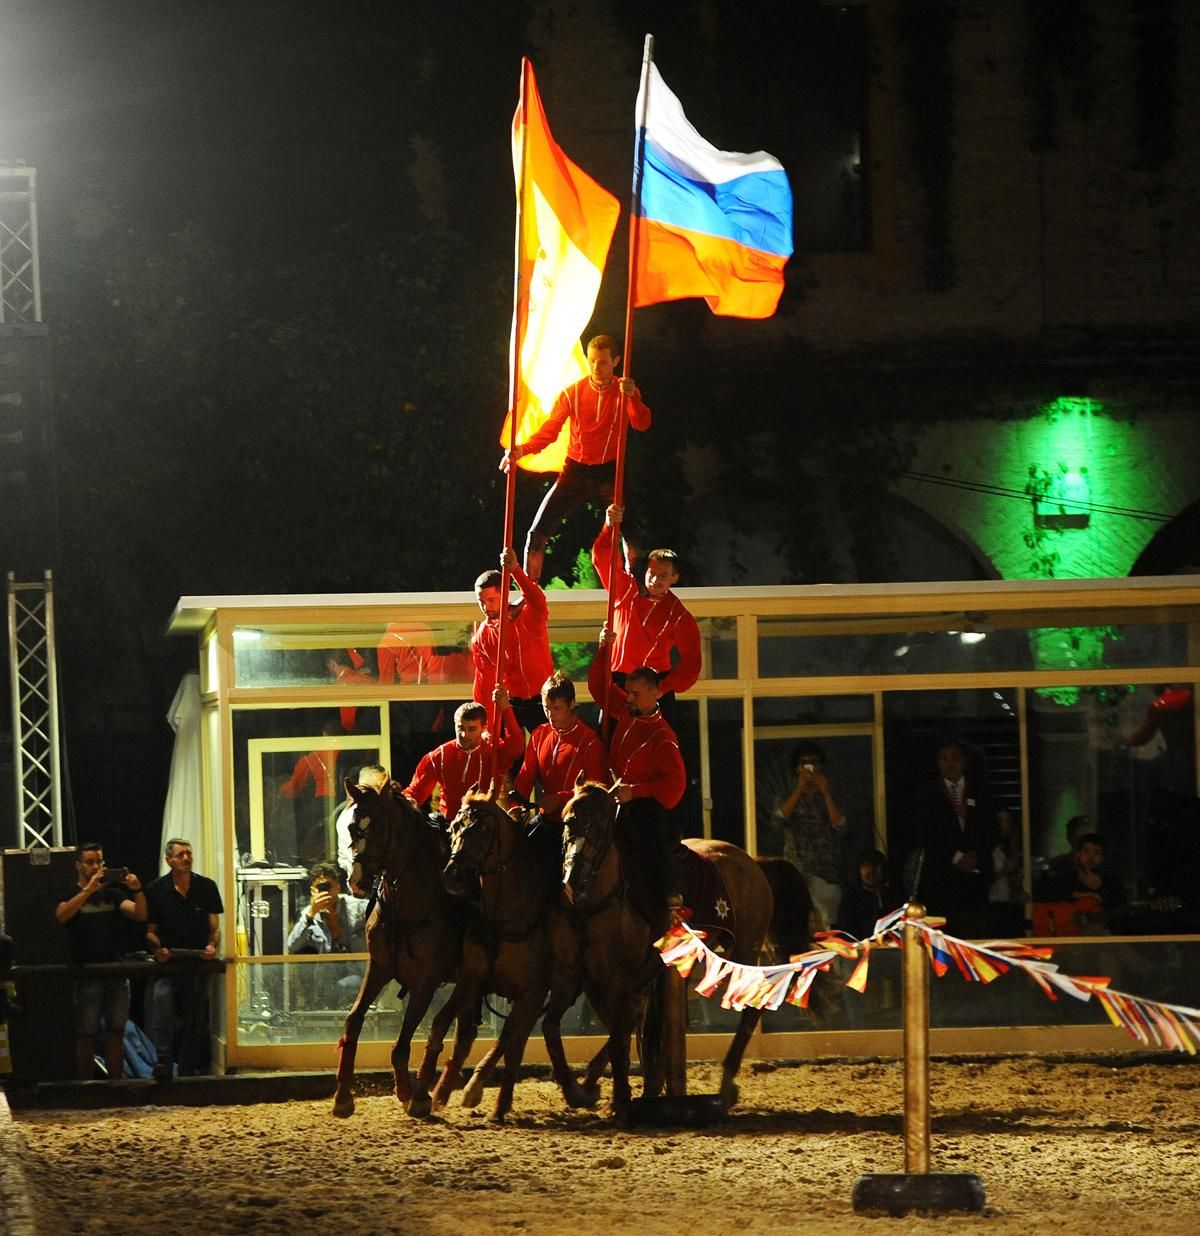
<point x="704" y="894"/>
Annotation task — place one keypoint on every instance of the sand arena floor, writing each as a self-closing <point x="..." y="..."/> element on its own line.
<point x="1060" y="1147"/>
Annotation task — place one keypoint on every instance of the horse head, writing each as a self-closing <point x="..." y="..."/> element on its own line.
<point x="475" y="842"/>
<point x="371" y="828"/>
<point x="588" y="822"/>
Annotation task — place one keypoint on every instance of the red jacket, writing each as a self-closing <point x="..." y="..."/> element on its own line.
<point x="319" y="767"/>
<point x="644" y="752"/>
<point x="593" y="421"/>
<point x="645" y="630"/>
<point x="526" y="646"/>
<point x="457" y="770"/>
<point x="554" y="760"/>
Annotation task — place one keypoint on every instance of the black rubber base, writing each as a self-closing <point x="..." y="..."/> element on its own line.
<point x="934" y="1192"/>
<point x="693" y="1111"/>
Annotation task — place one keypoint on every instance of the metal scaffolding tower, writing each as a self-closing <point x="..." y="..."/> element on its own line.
<point x="37" y="769"/>
<point x="20" y="278"/>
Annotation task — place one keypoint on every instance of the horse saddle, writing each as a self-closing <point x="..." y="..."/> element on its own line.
<point x="705" y="895"/>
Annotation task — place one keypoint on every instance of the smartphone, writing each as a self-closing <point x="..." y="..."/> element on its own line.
<point x="810" y="768"/>
<point x="115" y="875"/>
<point x="323" y="886"/>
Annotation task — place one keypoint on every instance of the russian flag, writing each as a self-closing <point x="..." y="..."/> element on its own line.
<point x="712" y="223"/>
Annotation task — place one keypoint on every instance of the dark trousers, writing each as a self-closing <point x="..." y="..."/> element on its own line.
<point x="576" y="484"/>
<point x="645" y="824"/>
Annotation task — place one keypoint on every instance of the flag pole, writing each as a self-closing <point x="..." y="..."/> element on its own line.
<point x="635" y="209"/>
<point x="514" y="389"/>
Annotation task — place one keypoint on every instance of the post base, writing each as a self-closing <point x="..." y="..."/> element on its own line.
<point x="936" y="1192"/>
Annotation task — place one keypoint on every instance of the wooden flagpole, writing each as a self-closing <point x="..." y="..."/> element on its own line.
<point x="635" y="206"/>
<point x="520" y="294"/>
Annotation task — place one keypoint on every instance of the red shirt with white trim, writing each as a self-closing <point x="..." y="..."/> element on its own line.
<point x="554" y="760"/>
<point x="645" y="629"/>
<point x="592" y="416"/>
<point x="644" y="752"/>
<point x="527" y="659"/>
<point x="456" y="770"/>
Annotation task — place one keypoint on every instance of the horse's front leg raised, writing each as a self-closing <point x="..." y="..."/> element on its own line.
<point x="373" y="983"/>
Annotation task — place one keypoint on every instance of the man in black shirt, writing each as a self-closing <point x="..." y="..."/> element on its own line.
<point x="89" y="913"/>
<point x="184" y="913"/>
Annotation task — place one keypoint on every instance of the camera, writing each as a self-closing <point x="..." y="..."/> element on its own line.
<point x="115" y="875"/>
<point x="810" y="768"/>
<point x="323" y="886"/>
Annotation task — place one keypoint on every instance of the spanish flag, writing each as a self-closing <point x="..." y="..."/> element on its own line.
<point x="566" y="224"/>
<point x="711" y="223"/>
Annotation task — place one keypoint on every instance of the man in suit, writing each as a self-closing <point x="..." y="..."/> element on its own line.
<point x="956" y="828"/>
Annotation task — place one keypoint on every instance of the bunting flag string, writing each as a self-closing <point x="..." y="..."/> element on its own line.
<point x="1153" y="1023"/>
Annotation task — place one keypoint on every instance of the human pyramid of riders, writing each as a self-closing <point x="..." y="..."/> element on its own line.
<point x="632" y="678"/>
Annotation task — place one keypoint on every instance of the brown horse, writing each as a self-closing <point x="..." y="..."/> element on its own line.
<point x="520" y="948"/>
<point x="769" y="898"/>
<point x="414" y="934"/>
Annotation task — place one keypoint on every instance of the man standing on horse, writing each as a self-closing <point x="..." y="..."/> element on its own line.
<point x="649" y="623"/>
<point x="590" y="407"/>
<point x="560" y="750"/>
<point x="467" y="759"/>
<point x="527" y="660"/>
<point x="644" y="758"/>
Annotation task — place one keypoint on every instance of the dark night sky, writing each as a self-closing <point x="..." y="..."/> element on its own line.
<point x="258" y="120"/>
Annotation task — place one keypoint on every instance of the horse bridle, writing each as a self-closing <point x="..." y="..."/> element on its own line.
<point x="478" y="824"/>
<point x="589" y="853"/>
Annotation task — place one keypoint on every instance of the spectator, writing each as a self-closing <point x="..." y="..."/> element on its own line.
<point x="374" y="777"/>
<point x="90" y="914"/>
<point x="956" y="829"/>
<point x="1061" y="866"/>
<point x="1006" y="896"/>
<point x="869" y="896"/>
<point x="333" y="922"/>
<point x="184" y="921"/>
<point x="1098" y="896"/>
<point x="813" y="825"/>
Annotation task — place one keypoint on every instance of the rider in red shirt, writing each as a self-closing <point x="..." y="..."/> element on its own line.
<point x="644" y="759"/>
<point x="467" y="759"/>
<point x="560" y="750"/>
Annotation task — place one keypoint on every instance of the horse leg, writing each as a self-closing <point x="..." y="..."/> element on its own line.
<point x="521" y="1019"/>
<point x="373" y="982"/>
<point x="481" y="1074"/>
<point x="574" y="1094"/>
<point x="465" y="1035"/>
<point x="733" y="1057"/>
<point x="418" y="1004"/>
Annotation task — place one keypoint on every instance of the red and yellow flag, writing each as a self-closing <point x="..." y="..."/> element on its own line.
<point x="566" y="226"/>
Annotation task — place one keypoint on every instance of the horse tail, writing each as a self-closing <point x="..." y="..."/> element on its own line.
<point x="790" y="919"/>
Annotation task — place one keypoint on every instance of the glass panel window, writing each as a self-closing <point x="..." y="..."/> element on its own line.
<point x="1116" y="764"/>
<point x="352" y="655"/>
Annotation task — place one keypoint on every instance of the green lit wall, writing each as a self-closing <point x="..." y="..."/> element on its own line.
<point x="1071" y="451"/>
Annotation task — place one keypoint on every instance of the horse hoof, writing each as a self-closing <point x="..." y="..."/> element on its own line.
<point x="729" y="1094"/>
<point x="582" y="1096"/>
<point x="420" y="1105"/>
<point x="343" y="1107"/>
<point x="498" y="1117"/>
<point x="473" y="1094"/>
